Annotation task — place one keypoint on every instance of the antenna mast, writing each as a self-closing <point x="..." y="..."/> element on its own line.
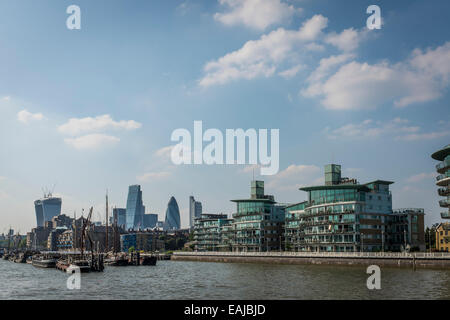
<point x="106" y="246"/>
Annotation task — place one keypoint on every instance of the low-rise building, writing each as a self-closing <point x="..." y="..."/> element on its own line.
<point x="208" y="231"/>
<point x="141" y="241"/>
<point x="443" y="237"/>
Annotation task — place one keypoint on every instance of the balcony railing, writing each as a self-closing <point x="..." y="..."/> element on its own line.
<point x="444" y="191"/>
<point x="363" y="255"/>
<point x="445" y="215"/>
<point x="440" y="167"/>
<point x="444" y="203"/>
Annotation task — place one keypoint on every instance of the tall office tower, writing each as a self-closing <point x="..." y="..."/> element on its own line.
<point x="135" y="208"/>
<point x="47" y="208"/>
<point x="149" y="221"/>
<point x="119" y="214"/>
<point x="443" y="180"/>
<point x="195" y="211"/>
<point x="172" y="221"/>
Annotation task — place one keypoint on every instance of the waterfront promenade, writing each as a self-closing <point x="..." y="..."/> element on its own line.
<point x="394" y="259"/>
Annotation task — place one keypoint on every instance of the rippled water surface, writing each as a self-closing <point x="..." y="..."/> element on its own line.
<point x="202" y="280"/>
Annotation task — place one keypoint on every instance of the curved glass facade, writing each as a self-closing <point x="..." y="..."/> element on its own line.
<point x="135" y="208"/>
<point x="46" y="209"/>
<point x="443" y="179"/>
<point x="172" y="221"/>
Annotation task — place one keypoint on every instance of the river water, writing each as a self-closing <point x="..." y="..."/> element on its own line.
<point x="203" y="280"/>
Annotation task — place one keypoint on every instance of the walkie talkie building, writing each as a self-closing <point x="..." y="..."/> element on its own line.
<point x="47" y="208"/>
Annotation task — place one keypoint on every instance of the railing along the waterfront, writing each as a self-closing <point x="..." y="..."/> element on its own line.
<point x="386" y="255"/>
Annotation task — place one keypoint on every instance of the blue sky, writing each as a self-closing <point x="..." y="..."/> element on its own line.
<point x="374" y="101"/>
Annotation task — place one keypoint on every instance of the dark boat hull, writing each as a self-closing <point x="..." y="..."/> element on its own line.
<point x="148" y="261"/>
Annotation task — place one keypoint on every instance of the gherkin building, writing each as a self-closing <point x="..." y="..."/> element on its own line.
<point x="172" y="221"/>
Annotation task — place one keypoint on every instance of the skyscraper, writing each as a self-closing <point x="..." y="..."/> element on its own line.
<point x="195" y="210"/>
<point x="119" y="214"/>
<point x="135" y="208"/>
<point x="172" y="221"/>
<point x="149" y="220"/>
<point x="47" y="208"/>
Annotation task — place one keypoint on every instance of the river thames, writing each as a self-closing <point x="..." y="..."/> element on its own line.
<point x="203" y="280"/>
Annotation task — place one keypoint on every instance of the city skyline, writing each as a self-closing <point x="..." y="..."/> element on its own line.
<point x="81" y="113"/>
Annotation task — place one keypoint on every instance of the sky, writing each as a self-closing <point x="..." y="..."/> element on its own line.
<point x="89" y="110"/>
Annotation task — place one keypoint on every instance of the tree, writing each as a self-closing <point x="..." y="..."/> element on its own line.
<point x="131" y="249"/>
<point x="23" y="243"/>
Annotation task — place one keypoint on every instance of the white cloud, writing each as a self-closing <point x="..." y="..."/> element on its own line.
<point x="4" y="195"/>
<point x="424" y="136"/>
<point x="262" y="57"/>
<point x="294" y="177"/>
<point x="326" y="65"/>
<point x="256" y="14"/>
<point x="289" y="73"/>
<point x="153" y="176"/>
<point x="421" y="176"/>
<point x="26" y="117"/>
<point x="347" y="40"/>
<point x="92" y="141"/>
<point x="399" y="128"/>
<point x="77" y="126"/>
<point x="164" y="152"/>
<point x="422" y="78"/>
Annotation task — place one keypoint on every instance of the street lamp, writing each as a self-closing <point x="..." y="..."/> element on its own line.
<point x="362" y="242"/>
<point x="404" y="232"/>
<point x="382" y="240"/>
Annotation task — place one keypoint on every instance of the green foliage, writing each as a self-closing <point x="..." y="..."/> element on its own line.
<point x="23" y="243"/>
<point x="131" y="249"/>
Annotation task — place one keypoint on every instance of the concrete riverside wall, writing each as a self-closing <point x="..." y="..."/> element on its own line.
<point x="405" y="262"/>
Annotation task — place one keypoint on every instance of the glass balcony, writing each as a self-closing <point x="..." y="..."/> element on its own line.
<point x="443" y="166"/>
<point x="443" y="179"/>
<point x="445" y="215"/>
<point x="444" y="191"/>
<point x="444" y="203"/>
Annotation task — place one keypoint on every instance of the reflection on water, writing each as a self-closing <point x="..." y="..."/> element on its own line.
<point x="201" y="280"/>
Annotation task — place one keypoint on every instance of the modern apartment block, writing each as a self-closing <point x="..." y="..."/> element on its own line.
<point x="258" y="222"/>
<point x="209" y="232"/>
<point x="195" y="211"/>
<point x="343" y="215"/>
<point x="340" y="216"/>
<point x="443" y="182"/>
